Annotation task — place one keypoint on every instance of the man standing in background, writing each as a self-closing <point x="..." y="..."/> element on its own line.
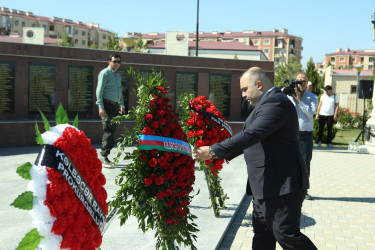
<point x="306" y="103"/>
<point x="111" y="103"/>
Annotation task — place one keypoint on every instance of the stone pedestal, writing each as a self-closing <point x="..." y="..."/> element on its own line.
<point x="369" y="147"/>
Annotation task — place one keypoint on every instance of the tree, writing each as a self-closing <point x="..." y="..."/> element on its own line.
<point x="140" y="46"/>
<point x="314" y="77"/>
<point x="113" y="42"/>
<point x="94" y="46"/>
<point x="287" y="71"/>
<point x="66" y="41"/>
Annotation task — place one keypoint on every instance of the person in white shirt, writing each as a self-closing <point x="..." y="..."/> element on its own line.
<point x="327" y="113"/>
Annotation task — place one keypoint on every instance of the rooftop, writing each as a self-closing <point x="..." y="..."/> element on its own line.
<point x="203" y="45"/>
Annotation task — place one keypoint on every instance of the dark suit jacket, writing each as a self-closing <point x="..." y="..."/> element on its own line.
<point x="269" y="142"/>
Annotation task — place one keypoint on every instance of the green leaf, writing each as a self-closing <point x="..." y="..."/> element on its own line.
<point x="30" y="241"/>
<point x="24" y="171"/>
<point x="45" y="121"/>
<point x="75" y="122"/>
<point x="24" y="201"/>
<point x="61" y="115"/>
<point x="38" y="137"/>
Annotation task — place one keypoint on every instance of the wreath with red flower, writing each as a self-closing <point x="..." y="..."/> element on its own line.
<point x="156" y="186"/>
<point x="60" y="219"/>
<point x="203" y="131"/>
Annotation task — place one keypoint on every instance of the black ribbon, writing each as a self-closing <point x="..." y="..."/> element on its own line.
<point x="213" y="117"/>
<point x="55" y="158"/>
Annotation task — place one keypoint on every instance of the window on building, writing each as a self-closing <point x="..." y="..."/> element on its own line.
<point x="45" y="27"/>
<point x="342" y="59"/>
<point x="83" y="42"/>
<point x="23" y="24"/>
<point x="266" y="41"/>
<point x="246" y="41"/>
<point x="353" y="89"/>
<point x="104" y="36"/>
<point x="332" y="59"/>
<point x="83" y="33"/>
<point x="266" y="51"/>
<point x="370" y="67"/>
<point x="371" y="59"/>
<point x="352" y="59"/>
<point x="76" y="41"/>
<point x="362" y="59"/>
<point x="33" y="25"/>
<point x="76" y="32"/>
<point x="16" y="22"/>
<point x="255" y="42"/>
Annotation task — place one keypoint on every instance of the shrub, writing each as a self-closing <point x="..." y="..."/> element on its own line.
<point x="325" y="132"/>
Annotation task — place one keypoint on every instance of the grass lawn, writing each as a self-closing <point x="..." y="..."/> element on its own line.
<point x="344" y="136"/>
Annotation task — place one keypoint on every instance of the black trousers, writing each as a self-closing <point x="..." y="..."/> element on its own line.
<point x="322" y="121"/>
<point x="278" y="219"/>
<point x="109" y="130"/>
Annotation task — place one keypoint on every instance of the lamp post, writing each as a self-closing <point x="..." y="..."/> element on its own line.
<point x="197" y="32"/>
<point x="359" y="68"/>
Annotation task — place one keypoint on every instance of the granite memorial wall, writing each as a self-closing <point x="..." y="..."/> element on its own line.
<point x="35" y="77"/>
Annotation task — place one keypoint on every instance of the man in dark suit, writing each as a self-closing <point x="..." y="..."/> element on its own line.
<point x="277" y="173"/>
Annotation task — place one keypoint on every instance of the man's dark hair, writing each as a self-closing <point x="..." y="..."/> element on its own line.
<point x="113" y="55"/>
<point x="328" y="87"/>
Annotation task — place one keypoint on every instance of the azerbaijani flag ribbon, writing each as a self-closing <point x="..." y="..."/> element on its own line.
<point x="150" y="142"/>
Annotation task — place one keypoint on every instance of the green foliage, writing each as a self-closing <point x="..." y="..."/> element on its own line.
<point x="66" y="41"/>
<point x="287" y="71"/>
<point x="45" y="121"/>
<point x="24" y="201"/>
<point x="113" y="42"/>
<point x="75" y="122"/>
<point x="94" y="46"/>
<point x="236" y="56"/>
<point x="30" y="241"/>
<point x="325" y="132"/>
<point x="314" y="77"/>
<point x="24" y="171"/>
<point x="61" y="116"/>
<point x="38" y="135"/>
<point x="349" y="119"/>
<point x="140" y="46"/>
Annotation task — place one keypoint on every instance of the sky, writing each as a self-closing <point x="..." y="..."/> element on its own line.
<point x="324" y="25"/>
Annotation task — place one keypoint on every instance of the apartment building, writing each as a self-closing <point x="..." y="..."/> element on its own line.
<point x="276" y="45"/>
<point x="83" y="35"/>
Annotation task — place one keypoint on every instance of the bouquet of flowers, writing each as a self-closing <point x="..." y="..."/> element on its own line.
<point x="60" y="218"/>
<point x="155" y="187"/>
<point x="206" y="126"/>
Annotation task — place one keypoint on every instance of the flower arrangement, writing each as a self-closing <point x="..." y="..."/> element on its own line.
<point x="203" y="131"/>
<point x="156" y="186"/>
<point x="59" y="217"/>
<point x="349" y="119"/>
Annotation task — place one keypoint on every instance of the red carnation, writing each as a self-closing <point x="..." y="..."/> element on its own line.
<point x="153" y="162"/>
<point x="148" y="117"/>
<point x="190" y="122"/>
<point x="147" y="131"/>
<point x="160" y="195"/>
<point x="159" y="180"/>
<point x="148" y="181"/>
<point x="155" y="124"/>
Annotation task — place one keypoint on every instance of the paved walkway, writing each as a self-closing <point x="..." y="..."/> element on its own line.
<point x="342" y="212"/>
<point x="340" y="216"/>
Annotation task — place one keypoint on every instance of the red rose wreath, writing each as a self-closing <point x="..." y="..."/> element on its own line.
<point x="203" y="131"/>
<point x="156" y="186"/>
<point x="60" y="219"/>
